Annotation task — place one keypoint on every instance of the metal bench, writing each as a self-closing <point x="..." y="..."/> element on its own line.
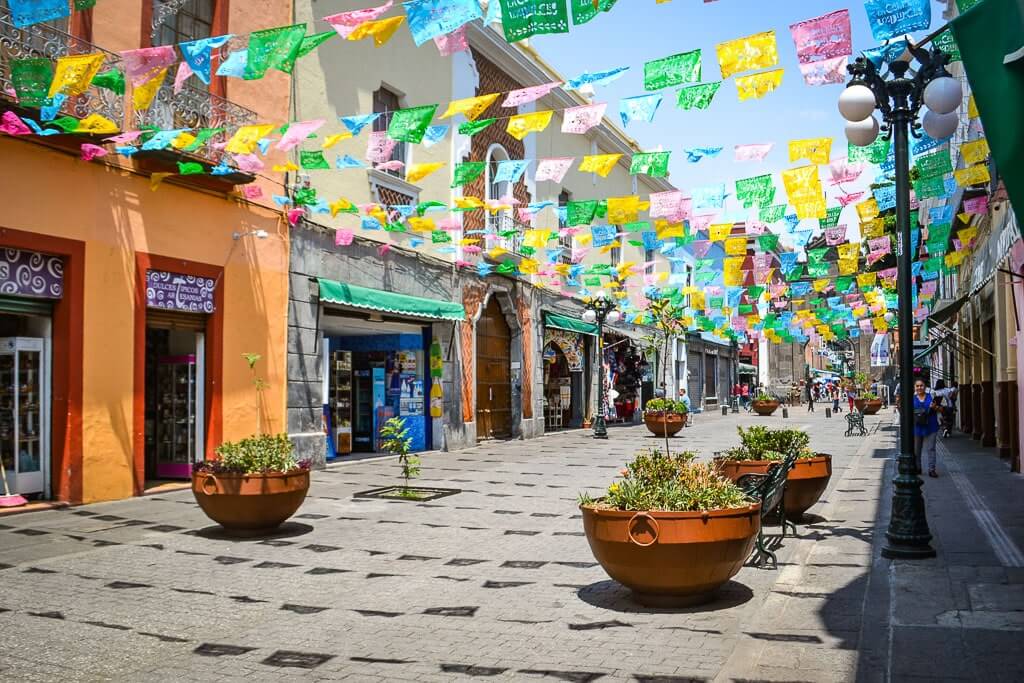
<point x="855" y="421"/>
<point x="770" y="490"/>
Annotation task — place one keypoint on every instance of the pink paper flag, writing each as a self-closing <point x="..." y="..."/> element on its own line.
<point x="825" y="72"/>
<point x="450" y="224"/>
<point x="525" y="215"/>
<point x="124" y="138"/>
<point x="835" y="236"/>
<point x="700" y="248"/>
<point x="252" y="191"/>
<point x="90" y="152"/>
<point x="297" y="132"/>
<point x="393" y="165"/>
<point x="144" y="64"/>
<point x="701" y="222"/>
<point x="756" y="228"/>
<point x="579" y="120"/>
<point x="12" y="93"/>
<point x="472" y="249"/>
<point x="383" y="249"/>
<point x="345" y="22"/>
<point x="762" y="261"/>
<point x="578" y="253"/>
<point x="976" y="205"/>
<point x="379" y="147"/>
<point x="842" y="171"/>
<point x="463" y="264"/>
<point x="823" y="37"/>
<point x="294" y="215"/>
<point x="343" y="238"/>
<point x="450" y="43"/>
<point x="250" y="163"/>
<point x="847" y="199"/>
<point x="664" y="204"/>
<point x="755" y="152"/>
<point x="527" y="95"/>
<point x="12" y="125"/>
<point x="184" y="71"/>
<point x="882" y="244"/>
<point x="552" y="169"/>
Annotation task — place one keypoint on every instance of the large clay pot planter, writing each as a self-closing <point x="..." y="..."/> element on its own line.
<point x="871" y="407"/>
<point x="672" y="558"/>
<point x="804" y="485"/>
<point x="664" y="424"/>
<point x="764" y="408"/>
<point x="250" y="504"/>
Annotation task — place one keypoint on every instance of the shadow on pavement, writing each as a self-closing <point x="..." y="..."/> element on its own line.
<point x="287" y="530"/>
<point x="612" y="595"/>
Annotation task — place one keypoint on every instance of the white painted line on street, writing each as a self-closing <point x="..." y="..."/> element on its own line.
<point x="1005" y="549"/>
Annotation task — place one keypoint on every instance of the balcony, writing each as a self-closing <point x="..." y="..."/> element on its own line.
<point x="505" y="232"/>
<point x="49" y="42"/>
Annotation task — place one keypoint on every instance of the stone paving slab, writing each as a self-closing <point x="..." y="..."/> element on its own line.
<point x="496" y="582"/>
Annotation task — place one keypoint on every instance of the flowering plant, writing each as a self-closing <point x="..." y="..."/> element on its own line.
<point x="762" y="443"/>
<point x="254" y="455"/>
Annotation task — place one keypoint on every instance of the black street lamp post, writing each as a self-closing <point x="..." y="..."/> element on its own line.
<point x="600" y="309"/>
<point x="899" y="99"/>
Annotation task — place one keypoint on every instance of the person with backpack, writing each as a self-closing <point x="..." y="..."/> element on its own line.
<point x="926" y="426"/>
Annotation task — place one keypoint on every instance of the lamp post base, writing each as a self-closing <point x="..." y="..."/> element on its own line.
<point x="600" y="430"/>
<point x="908" y="535"/>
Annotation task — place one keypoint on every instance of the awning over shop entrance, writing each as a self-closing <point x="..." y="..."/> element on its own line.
<point x="563" y="322"/>
<point x="946" y="309"/>
<point x="747" y="369"/>
<point x="334" y="292"/>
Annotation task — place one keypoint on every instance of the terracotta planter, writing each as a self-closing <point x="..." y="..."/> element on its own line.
<point x="804" y="485"/>
<point x="672" y="558"/>
<point x="250" y="504"/>
<point x="764" y="408"/>
<point x="663" y="424"/>
<point x="871" y="407"/>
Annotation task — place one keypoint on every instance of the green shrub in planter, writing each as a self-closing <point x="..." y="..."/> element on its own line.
<point x="665" y="405"/>
<point x="762" y="443"/>
<point x="254" y="455"/>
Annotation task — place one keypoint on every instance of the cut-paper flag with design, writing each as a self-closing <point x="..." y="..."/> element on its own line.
<point x="525" y="18"/>
<point x="143" y="64"/>
<point x="654" y="164"/>
<point x="597" y="78"/>
<point x="312" y="42"/>
<point x="510" y="170"/>
<point x="552" y="169"/>
<point x="453" y="42"/>
<point x="753" y="152"/>
<point x="196" y="53"/>
<point x="471" y="128"/>
<point x="892" y="18"/>
<point x="409" y="125"/>
<point x="527" y="95"/>
<point x="639" y="108"/>
<point x="73" y="74"/>
<point x="355" y="124"/>
<point x="297" y="132"/>
<point x="28" y="12"/>
<point x="234" y="64"/>
<point x="601" y="164"/>
<point x="380" y="30"/>
<point x="758" y="51"/>
<point x="521" y="125"/>
<point x="823" y="37"/>
<point x="695" y="154"/>
<point x="815" y="150"/>
<point x="758" y="85"/>
<point x="585" y="10"/>
<point x="379" y="147"/>
<point x="346" y="22"/>
<point x="274" y="48"/>
<point x="143" y="95"/>
<point x="467" y="172"/>
<point x="825" y="72"/>
<point x="430" y="19"/>
<point x="579" y="120"/>
<point x="684" y="67"/>
<point x="697" y="96"/>
<point x="470" y="107"/>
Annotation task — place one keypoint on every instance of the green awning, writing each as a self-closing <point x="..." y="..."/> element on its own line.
<point x="333" y="292"/>
<point x="564" y="322"/>
<point x="747" y="369"/>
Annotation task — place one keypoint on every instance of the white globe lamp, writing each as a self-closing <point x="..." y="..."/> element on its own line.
<point x="856" y="103"/>
<point x="613" y="316"/>
<point x="943" y="95"/>
<point x="940" y="126"/>
<point x="589" y="316"/>
<point x="862" y="133"/>
<point x="889" y="317"/>
<point x="600" y="294"/>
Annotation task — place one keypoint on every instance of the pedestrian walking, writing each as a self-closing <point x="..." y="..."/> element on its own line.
<point x="810" y="398"/>
<point x="835" y="399"/>
<point x="851" y="396"/>
<point x="745" y="396"/>
<point x="926" y="426"/>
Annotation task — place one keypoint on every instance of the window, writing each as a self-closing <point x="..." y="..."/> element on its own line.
<point x="564" y="242"/>
<point x="648" y="261"/>
<point x="192" y="20"/>
<point x="615" y="254"/>
<point x="386" y="103"/>
<point x="500" y="223"/>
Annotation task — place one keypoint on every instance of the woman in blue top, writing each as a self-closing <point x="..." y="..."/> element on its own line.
<point x="926" y="426"/>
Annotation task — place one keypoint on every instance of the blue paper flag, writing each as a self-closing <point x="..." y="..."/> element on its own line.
<point x="27" y="12"/>
<point x="348" y="161"/>
<point x="222" y="169"/>
<point x="48" y="112"/>
<point x="234" y="65"/>
<point x="712" y="197"/>
<point x="597" y="78"/>
<point x="39" y="130"/>
<point x="695" y="154"/>
<point x="650" y="239"/>
<point x="125" y="150"/>
<point x="161" y="139"/>
<point x="802" y="237"/>
<point x="510" y="170"/>
<point x="429" y="19"/>
<point x="639" y="108"/>
<point x="196" y="54"/>
<point x="369" y="223"/>
<point x="883" y="54"/>
<point x="355" y="124"/>
<point x="484" y="269"/>
<point x="281" y="200"/>
<point x="603" y="235"/>
<point x="885" y="197"/>
<point x="264" y="145"/>
<point x="434" y="135"/>
<point x="928" y="143"/>
<point x="891" y="18"/>
<point x="941" y="214"/>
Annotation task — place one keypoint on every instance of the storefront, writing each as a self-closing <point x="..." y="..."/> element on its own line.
<point x="566" y="370"/>
<point x="712" y="370"/>
<point x="382" y="358"/>
<point x="626" y="370"/>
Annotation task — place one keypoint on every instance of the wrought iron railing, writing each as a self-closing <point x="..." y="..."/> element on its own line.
<point x="47" y="41"/>
<point x="194" y="108"/>
<point x="505" y="232"/>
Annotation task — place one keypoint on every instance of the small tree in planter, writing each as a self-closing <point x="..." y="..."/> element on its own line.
<point x="395" y="439"/>
<point x="665" y="417"/>
<point x="764" y="403"/>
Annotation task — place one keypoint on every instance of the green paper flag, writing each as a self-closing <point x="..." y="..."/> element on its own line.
<point x="927" y="188"/>
<point x="467" y="172"/>
<point x="831" y="218"/>
<point x="69" y="124"/>
<point x="471" y="128"/>
<point x="681" y="68"/>
<point x="794" y="273"/>
<point x="305" y="196"/>
<point x="875" y="153"/>
<point x="592" y="281"/>
<point x="310" y="43"/>
<point x="817" y="269"/>
<point x="757" y="191"/>
<point x="312" y="160"/>
<point x="82" y="5"/>
<point x="422" y="207"/>
<point x="202" y="137"/>
<point x="654" y="164"/>
<point x="580" y="213"/>
<point x="768" y="242"/>
<point x="112" y="80"/>
<point x="274" y="48"/>
<point x="31" y="78"/>
<point x="772" y="214"/>
<point x="639" y="226"/>
<point x="947" y="43"/>
<point x="190" y="168"/>
<point x="816" y="255"/>
<point x="524" y="18"/>
<point x="584" y="10"/>
<point x="843" y="283"/>
<point x="440" y="237"/>
<point x="409" y="125"/>
<point x="936" y="164"/>
<point x="697" y="96"/>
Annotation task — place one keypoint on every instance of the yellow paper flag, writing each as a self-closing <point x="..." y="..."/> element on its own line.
<point x="849" y="250"/>
<point x="867" y="209"/>
<point x="972" y="108"/>
<point x="811" y="208"/>
<point x="528" y="266"/>
<point x="245" y="138"/>
<point x="156" y="178"/>
<point x="974" y="152"/>
<point x="417" y="172"/>
<point x="736" y="246"/>
<point x="143" y="95"/>
<point x="338" y="206"/>
<point x="873" y="228"/>
<point x="758" y="51"/>
<point x="183" y="140"/>
<point x="601" y="164"/>
<point x="468" y="203"/>
<point x="972" y="175"/>
<point x="865" y="280"/>
<point x="756" y="86"/>
<point x="623" y="209"/>
<point x="815" y="150"/>
<point x="380" y="29"/>
<point x="521" y="125"/>
<point x="801" y="182"/>
<point x="955" y="258"/>
<point x="848" y="266"/>
<point x="97" y="125"/>
<point x="472" y="107"/>
<point x="73" y="74"/>
<point x="821" y="284"/>
<point x="332" y="140"/>
<point x="719" y="231"/>
<point x="286" y="167"/>
<point x="536" y="239"/>
<point x="419" y="224"/>
<point x="668" y="230"/>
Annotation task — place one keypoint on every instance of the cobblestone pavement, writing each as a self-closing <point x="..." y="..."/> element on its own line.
<point x="494" y="582"/>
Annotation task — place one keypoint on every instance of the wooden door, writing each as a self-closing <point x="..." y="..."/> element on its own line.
<point x="493" y="374"/>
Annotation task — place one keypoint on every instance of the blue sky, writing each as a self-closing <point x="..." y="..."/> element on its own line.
<point x="636" y="31"/>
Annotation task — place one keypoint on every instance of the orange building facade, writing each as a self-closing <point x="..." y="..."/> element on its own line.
<point x="129" y="298"/>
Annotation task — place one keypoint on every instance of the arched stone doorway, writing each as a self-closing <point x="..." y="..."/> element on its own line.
<point x="493" y="373"/>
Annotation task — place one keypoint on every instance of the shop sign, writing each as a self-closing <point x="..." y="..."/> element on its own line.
<point x="177" y="292"/>
<point x="29" y="273"/>
<point x="570" y="343"/>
